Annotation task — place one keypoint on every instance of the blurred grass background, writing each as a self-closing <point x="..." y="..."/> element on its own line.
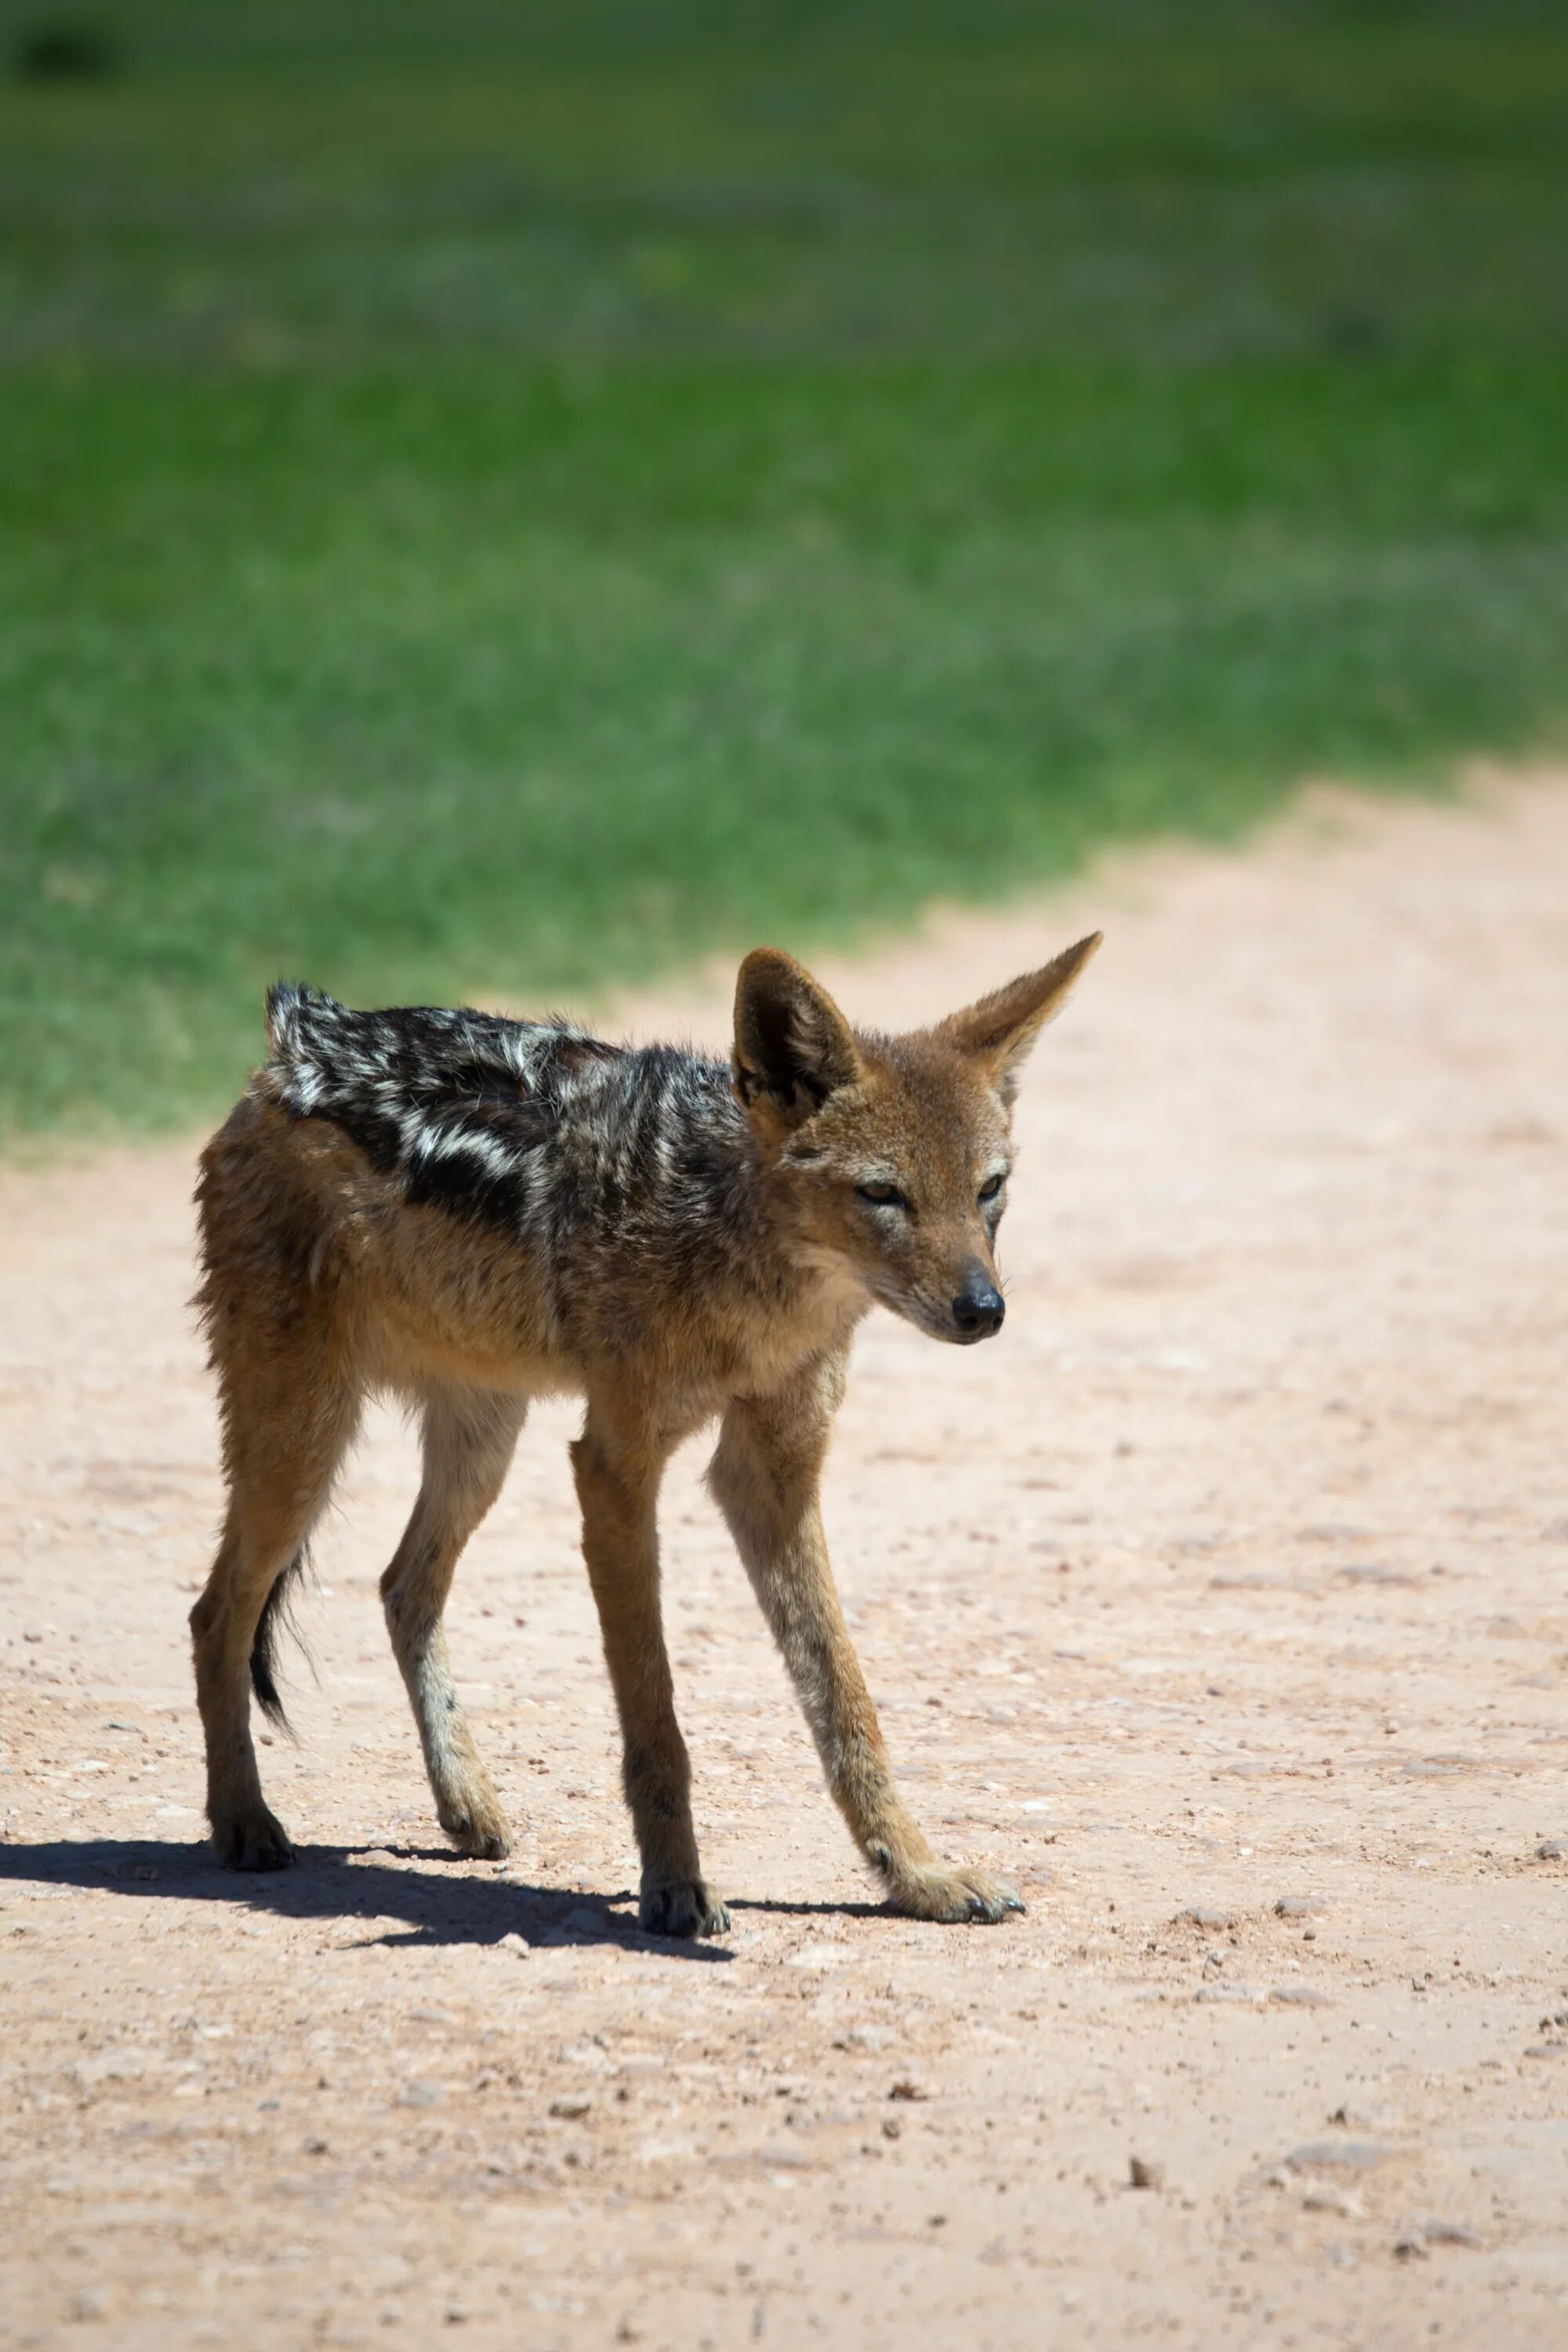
<point x="496" y="497"/>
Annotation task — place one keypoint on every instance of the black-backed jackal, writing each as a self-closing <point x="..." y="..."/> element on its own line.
<point x="467" y="1213"/>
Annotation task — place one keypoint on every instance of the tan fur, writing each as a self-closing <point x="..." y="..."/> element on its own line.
<point x="322" y="1284"/>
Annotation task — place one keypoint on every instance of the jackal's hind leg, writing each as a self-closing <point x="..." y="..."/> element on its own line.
<point x="470" y="1438"/>
<point x="286" y="1428"/>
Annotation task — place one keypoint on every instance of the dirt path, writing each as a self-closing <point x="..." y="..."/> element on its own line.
<point x="1224" y="1602"/>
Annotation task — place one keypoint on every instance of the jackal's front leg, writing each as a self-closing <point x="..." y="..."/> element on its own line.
<point x="617" y="1461"/>
<point x="765" y="1476"/>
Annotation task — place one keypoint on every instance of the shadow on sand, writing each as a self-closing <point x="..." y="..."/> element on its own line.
<point x="329" y="1883"/>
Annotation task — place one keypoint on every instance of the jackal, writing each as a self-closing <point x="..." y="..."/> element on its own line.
<point x="468" y="1212"/>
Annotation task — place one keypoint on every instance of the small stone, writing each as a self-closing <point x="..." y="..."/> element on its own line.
<point x="1300" y="1906"/>
<point x="1338" y="2156"/>
<point x="905" y="2089"/>
<point x="583" y="1922"/>
<point x="1302" y="1997"/>
<point x="1343" y="2201"/>
<point x="1409" y="2249"/>
<point x="863" y="2037"/>
<point x="1141" y="2174"/>
<point x="1553" y="1850"/>
<point x="1202" y="1915"/>
<point x="514" y="1943"/>
<point x="1451" y="2233"/>
<point x="891" y="2128"/>
<point x="419" y="2094"/>
<point x="571" y="2110"/>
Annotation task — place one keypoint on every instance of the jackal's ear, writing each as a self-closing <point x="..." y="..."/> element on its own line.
<point x="999" y="1031"/>
<point x="792" y="1045"/>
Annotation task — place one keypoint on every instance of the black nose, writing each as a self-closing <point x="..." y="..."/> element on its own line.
<point x="978" y="1309"/>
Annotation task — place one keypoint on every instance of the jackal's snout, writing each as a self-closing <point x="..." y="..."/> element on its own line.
<point x="979" y="1307"/>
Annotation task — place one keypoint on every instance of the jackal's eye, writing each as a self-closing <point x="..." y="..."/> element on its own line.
<point x="881" y="1196"/>
<point x="992" y="1186"/>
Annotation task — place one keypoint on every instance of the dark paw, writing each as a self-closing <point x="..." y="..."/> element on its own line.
<point x="258" y="1843"/>
<point x="684" y="1908"/>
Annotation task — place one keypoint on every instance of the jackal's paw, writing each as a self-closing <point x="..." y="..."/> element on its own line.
<point x="681" y="1906"/>
<point x="929" y="1893"/>
<point x="252" y="1841"/>
<point x="477" y="1827"/>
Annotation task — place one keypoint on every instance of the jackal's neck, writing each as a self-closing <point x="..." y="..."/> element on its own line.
<point x="813" y="1288"/>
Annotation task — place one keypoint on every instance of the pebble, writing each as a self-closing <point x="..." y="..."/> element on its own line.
<point x="571" y="2110"/>
<point x="1141" y="2174"/>
<point x="583" y="1922"/>
<point x="863" y="2037"/>
<point x="514" y="1943"/>
<point x="1202" y="1915"/>
<point x="1302" y="1997"/>
<point x="1340" y="2154"/>
<point x="1373" y="2122"/>
<point x="1343" y="2201"/>
<point x="905" y="2089"/>
<point x="1451" y="2233"/>
<point x="1553" y="1850"/>
<point x="1300" y="1906"/>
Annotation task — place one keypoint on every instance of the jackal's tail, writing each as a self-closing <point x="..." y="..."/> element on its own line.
<point x="276" y="1618"/>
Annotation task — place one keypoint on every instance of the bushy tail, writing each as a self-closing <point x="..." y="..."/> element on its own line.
<point x="277" y="1617"/>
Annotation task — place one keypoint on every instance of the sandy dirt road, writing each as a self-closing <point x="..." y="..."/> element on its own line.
<point x="1222" y="1602"/>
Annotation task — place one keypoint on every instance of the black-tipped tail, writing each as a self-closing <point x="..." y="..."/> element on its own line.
<point x="277" y="1617"/>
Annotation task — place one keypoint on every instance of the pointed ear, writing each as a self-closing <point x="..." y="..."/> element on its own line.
<point x="998" y="1032"/>
<point x="792" y="1045"/>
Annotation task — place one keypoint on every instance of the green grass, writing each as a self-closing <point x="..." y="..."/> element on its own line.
<point x="501" y="498"/>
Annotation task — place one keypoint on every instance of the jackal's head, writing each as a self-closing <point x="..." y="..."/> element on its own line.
<point x="895" y="1151"/>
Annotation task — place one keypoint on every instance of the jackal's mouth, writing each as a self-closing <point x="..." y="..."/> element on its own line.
<point x="935" y="1322"/>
